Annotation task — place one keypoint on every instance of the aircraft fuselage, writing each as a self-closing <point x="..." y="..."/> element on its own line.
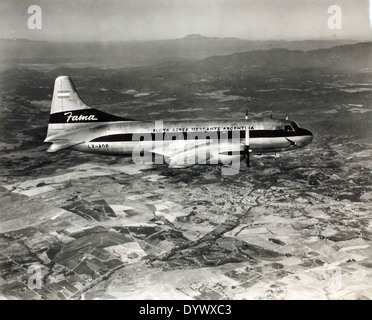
<point x="75" y="125"/>
<point x="265" y="136"/>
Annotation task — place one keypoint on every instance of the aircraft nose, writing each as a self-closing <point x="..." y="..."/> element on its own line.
<point x="307" y="132"/>
<point x="308" y="136"/>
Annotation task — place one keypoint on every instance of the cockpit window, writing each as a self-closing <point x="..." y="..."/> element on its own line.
<point x="294" y="125"/>
<point x="288" y="128"/>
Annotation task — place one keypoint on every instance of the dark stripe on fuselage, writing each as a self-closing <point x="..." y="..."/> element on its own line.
<point x="200" y="135"/>
<point x="84" y="115"/>
<point x="278" y="133"/>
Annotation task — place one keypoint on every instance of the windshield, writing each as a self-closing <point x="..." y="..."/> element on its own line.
<point x="288" y="128"/>
<point x="294" y="124"/>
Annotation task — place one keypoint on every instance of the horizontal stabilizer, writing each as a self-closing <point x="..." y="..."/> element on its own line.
<point x="62" y="144"/>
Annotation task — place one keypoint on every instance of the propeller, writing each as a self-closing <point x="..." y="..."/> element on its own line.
<point x="246" y="148"/>
<point x="247" y="156"/>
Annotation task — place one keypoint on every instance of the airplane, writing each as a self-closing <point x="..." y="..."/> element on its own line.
<point x="182" y="143"/>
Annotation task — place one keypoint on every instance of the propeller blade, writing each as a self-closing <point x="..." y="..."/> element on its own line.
<point x="246" y="148"/>
<point x="247" y="156"/>
<point x="246" y="142"/>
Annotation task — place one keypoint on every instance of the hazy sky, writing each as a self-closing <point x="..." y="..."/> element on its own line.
<point x="87" y="20"/>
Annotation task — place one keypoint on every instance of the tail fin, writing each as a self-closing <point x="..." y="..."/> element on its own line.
<point x="65" y="96"/>
<point x="69" y="112"/>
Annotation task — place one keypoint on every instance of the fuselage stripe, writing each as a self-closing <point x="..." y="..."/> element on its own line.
<point x="199" y="135"/>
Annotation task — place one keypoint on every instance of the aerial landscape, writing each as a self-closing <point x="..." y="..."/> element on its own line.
<point x="294" y="226"/>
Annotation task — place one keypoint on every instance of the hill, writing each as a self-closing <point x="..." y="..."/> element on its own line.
<point x="123" y="54"/>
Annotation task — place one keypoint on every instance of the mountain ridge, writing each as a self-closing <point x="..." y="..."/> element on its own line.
<point x="192" y="47"/>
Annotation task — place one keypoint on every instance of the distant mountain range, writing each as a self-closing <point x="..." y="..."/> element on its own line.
<point x="351" y="58"/>
<point x="191" y="47"/>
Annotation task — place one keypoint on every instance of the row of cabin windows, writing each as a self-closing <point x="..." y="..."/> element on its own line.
<point x="187" y="135"/>
<point x="171" y="136"/>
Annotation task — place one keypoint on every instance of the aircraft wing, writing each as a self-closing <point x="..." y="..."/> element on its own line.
<point x="182" y="154"/>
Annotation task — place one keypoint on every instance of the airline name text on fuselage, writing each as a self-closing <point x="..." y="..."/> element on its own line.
<point x="186" y="129"/>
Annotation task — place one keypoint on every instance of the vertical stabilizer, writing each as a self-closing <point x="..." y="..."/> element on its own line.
<point x="65" y="96"/>
<point x="68" y="112"/>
